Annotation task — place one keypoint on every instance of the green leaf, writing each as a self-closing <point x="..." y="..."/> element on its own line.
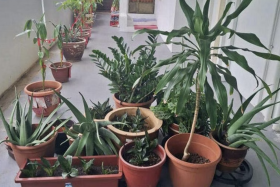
<point x="204" y="56"/>
<point x="73" y="147"/>
<point x="82" y="143"/>
<point x="211" y="105"/>
<point x="177" y="33"/>
<point x="219" y="88"/>
<point x="198" y="19"/>
<point x="25" y="32"/>
<point x="188" y="11"/>
<point x="86" y="108"/>
<point x="251" y="38"/>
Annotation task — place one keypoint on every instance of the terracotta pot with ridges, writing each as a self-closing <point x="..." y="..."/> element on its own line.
<point x="120" y="104"/>
<point x="88" y="30"/>
<point x="137" y="176"/>
<point x="231" y="157"/>
<point x="61" y="74"/>
<point x="85" y="35"/>
<point x="187" y="174"/>
<point x="22" y="153"/>
<point x="44" y="102"/>
<point x="153" y="122"/>
<point x="74" y="50"/>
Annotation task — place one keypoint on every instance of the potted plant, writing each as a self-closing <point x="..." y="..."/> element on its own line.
<point x="195" y="61"/>
<point x="175" y="123"/>
<point x="123" y="71"/>
<point x="73" y="5"/>
<point x="89" y="135"/>
<point x="133" y="120"/>
<point x="45" y="99"/>
<point x="142" y="161"/>
<point x="99" y="110"/>
<point x="73" y="45"/>
<point x="57" y="171"/>
<point x="238" y="133"/>
<point x="26" y="139"/>
<point x="61" y="70"/>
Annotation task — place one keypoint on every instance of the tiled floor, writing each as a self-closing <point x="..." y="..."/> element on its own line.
<point x="85" y="79"/>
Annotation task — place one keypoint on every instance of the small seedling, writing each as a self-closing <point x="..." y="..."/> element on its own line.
<point x="142" y="149"/>
<point x="86" y="165"/>
<point x="66" y="165"/>
<point x="106" y="171"/>
<point x="30" y="169"/>
<point x="47" y="167"/>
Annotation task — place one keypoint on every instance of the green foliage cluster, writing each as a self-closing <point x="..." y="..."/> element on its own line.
<point x="100" y="110"/>
<point x="142" y="149"/>
<point x="131" y="123"/>
<point x="124" y="71"/>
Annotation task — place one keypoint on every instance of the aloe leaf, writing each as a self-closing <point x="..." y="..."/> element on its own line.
<point x="23" y="131"/>
<point x="6" y="125"/>
<point x="266" y="124"/>
<point x="211" y="105"/>
<point x="265" y="169"/>
<point x="105" y="133"/>
<point x="100" y="144"/>
<point x="82" y="143"/>
<point x="80" y="117"/>
<point x="109" y="142"/>
<point x="242" y="142"/>
<point x="73" y="147"/>
<point x="90" y="145"/>
<point x="237" y="136"/>
<point x="87" y="111"/>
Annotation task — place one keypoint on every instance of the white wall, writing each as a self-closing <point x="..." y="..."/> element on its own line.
<point x="17" y="55"/>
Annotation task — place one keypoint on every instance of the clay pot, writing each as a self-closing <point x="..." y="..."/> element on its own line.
<point x="61" y="137"/>
<point x="22" y="153"/>
<point x="88" y="30"/>
<point x="81" y="180"/>
<point x="74" y="50"/>
<point x="231" y="157"/>
<point x="120" y="104"/>
<point x="153" y="122"/>
<point x="137" y="176"/>
<point x="61" y="74"/>
<point x="9" y="149"/>
<point x="44" y="102"/>
<point x="85" y="35"/>
<point x="188" y="174"/>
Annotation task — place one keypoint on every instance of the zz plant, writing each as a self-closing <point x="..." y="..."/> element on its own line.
<point x="195" y="61"/>
<point x="123" y="71"/>
<point x="89" y="134"/>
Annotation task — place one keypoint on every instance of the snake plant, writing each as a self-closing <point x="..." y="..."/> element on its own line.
<point x="19" y="127"/>
<point x="89" y="134"/>
<point x="195" y="60"/>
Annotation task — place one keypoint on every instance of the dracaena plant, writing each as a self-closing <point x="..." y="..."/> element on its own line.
<point x="89" y="134"/>
<point x="39" y="28"/>
<point x="123" y="71"/>
<point x="195" y="60"/>
<point x="100" y="110"/>
<point x="19" y="127"/>
<point x="141" y="150"/>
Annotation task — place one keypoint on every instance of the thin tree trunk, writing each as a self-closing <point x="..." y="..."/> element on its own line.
<point x="186" y="154"/>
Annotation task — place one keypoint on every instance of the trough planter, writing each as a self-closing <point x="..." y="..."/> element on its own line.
<point x="44" y="102"/>
<point x="231" y="157"/>
<point x="109" y="180"/>
<point x="138" y="176"/>
<point x="120" y="104"/>
<point x="188" y="174"/>
<point x="61" y="74"/>
<point x="153" y="122"/>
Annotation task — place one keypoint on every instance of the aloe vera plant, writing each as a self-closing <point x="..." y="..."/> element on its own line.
<point x="19" y="128"/>
<point x="99" y="110"/>
<point x="195" y="61"/>
<point x="89" y="134"/>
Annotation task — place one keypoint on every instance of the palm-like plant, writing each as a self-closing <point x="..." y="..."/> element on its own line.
<point x="195" y="61"/>
<point x="89" y="134"/>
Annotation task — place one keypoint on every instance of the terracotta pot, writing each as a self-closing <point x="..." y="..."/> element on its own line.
<point x="88" y="30"/>
<point x="137" y="176"/>
<point x="120" y="104"/>
<point x="61" y="74"/>
<point x="110" y="180"/>
<point x="22" y="153"/>
<point x="61" y="137"/>
<point x="44" y="102"/>
<point x="74" y="50"/>
<point x="89" y="23"/>
<point x="188" y="174"/>
<point x="231" y="157"/>
<point x="9" y="149"/>
<point x="85" y="35"/>
<point x="153" y="122"/>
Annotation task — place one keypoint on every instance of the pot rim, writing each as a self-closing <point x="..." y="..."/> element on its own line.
<point x="68" y="63"/>
<point x="81" y="42"/>
<point x="191" y="165"/>
<point x="142" y="167"/>
<point x="226" y="147"/>
<point x="132" y="134"/>
<point x="125" y="103"/>
<point x="38" y="94"/>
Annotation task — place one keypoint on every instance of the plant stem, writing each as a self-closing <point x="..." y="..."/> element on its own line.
<point x="61" y="57"/>
<point x="186" y="154"/>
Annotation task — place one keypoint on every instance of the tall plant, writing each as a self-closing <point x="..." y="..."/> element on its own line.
<point x="195" y="60"/>
<point x="40" y="38"/>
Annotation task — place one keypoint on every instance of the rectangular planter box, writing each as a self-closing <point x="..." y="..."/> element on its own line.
<point x="110" y="180"/>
